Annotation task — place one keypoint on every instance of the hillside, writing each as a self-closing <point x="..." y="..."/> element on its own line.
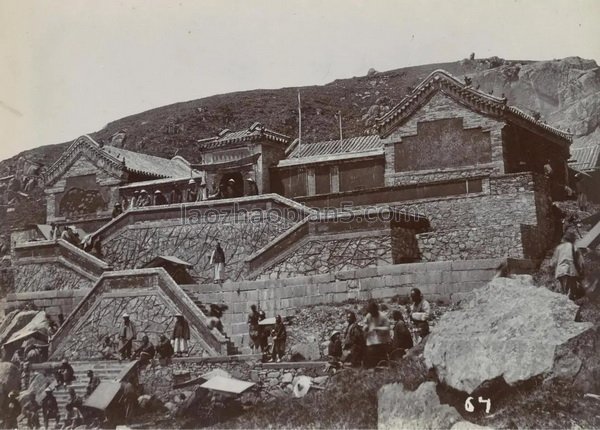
<point x="565" y="93"/>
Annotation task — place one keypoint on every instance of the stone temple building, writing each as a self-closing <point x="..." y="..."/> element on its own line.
<point x="454" y="183"/>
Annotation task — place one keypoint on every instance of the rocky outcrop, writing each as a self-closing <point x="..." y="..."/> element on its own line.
<point x="566" y="93"/>
<point x="10" y="378"/>
<point x="398" y="408"/>
<point x="513" y="331"/>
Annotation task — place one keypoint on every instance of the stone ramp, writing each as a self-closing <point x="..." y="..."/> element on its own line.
<point x="591" y="238"/>
<point x="112" y="370"/>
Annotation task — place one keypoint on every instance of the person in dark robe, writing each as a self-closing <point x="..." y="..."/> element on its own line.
<point x="263" y="333"/>
<point x="127" y="334"/>
<point x="334" y="349"/>
<point x="64" y="374"/>
<point x="253" y="328"/>
<point x="92" y="384"/>
<point x="279" y="338"/>
<point x="402" y="340"/>
<point x="12" y="411"/>
<point x="145" y="352"/>
<point x="159" y="198"/>
<point x="117" y="210"/>
<point x="164" y="348"/>
<point x="181" y="335"/>
<point x="50" y="408"/>
<point x="354" y="341"/>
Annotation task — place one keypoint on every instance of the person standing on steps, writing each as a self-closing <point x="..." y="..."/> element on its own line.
<point x="50" y="408"/>
<point x="218" y="260"/>
<point x="126" y="336"/>
<point x="181" y="335"/>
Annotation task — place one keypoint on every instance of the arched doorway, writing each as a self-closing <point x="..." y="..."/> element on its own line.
<point x="236" y="188"/>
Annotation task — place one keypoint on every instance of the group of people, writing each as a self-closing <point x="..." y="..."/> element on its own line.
<point x="30" y="408"/>
<point x="377" y="338"/>
<point x="70" y="234"/>
<point x="165" y="349"/>
<point x="259" y="335"/>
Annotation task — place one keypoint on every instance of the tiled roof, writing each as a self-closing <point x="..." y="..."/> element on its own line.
<point x="255" y="132"/>
<point x="440" y="80"/>
<point x="585" y="157"/>
<point x="148" y="164"/>
<point x="333" y="147"/>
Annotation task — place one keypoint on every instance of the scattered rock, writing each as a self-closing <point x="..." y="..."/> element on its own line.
<point x="273" y="374"/>
<point x="509" y="329"/>
<point x="287" y="378"/>
<point x="254" y="376"/>
<point x="398" y="408"/>
<point x="466" y="425"/>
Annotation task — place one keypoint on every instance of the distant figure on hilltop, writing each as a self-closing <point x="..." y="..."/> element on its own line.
<point x="218" y="260"/>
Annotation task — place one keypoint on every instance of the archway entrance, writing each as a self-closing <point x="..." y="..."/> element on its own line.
<point x="232" y="189"/>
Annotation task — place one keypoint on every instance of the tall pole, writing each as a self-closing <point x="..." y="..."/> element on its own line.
<point x="299" y="119"/>
<point x="339" y="116"/>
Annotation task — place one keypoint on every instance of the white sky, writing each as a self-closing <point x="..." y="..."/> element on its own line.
<point x="68" y="67"/>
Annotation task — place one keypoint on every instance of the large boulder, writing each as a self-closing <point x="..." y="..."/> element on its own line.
<point x="10" y="377"/>
<point x="398" y="408"/>
<point x="511" y="331"/>
<point x="309" y="350"/>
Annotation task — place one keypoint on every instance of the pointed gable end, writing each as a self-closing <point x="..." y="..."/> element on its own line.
<point x="87" y="147"/>
<point x="475" y="100"/>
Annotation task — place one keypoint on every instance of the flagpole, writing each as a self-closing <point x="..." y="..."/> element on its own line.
<point x="299" y="119"/>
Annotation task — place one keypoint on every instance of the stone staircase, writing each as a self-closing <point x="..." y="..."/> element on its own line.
<point x="232" y="349"/>
<point x="105" y="370"/>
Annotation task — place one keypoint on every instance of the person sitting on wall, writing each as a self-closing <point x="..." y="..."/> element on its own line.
<point x="134" y="199"/>
<point x="126" y="336"/>
<point x="402" y="340"/>
<point x="117" y="210"/>
<point x="354" y="341"/>
<point x="70" y="236"/>
<point x="230" y="189"/>
<point x="420" y="313"/>
<point x="252" y="189"/>
<point x="145" y="352"/>
<point x="64" y="374"/>
<point x="279" y="337"/>
<point x="164" y="348"/>
<point x="144" y="199"/>
<point x="181" y="335"/>
<point x="159" y="198"/>
<point x="92" y="384"/>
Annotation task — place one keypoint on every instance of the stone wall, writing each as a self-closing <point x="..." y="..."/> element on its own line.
<point x="54" y="303"/>
<point x="333" y="254"/>
<point x="48" y="276"/>
<point x="445" y="280"/>
<point x="54" y="265"/>
<point x="490" y="224"/>
<point x="137" y="244"/>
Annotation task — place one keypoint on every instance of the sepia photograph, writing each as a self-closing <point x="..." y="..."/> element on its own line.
<point x="301" y="214"/>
